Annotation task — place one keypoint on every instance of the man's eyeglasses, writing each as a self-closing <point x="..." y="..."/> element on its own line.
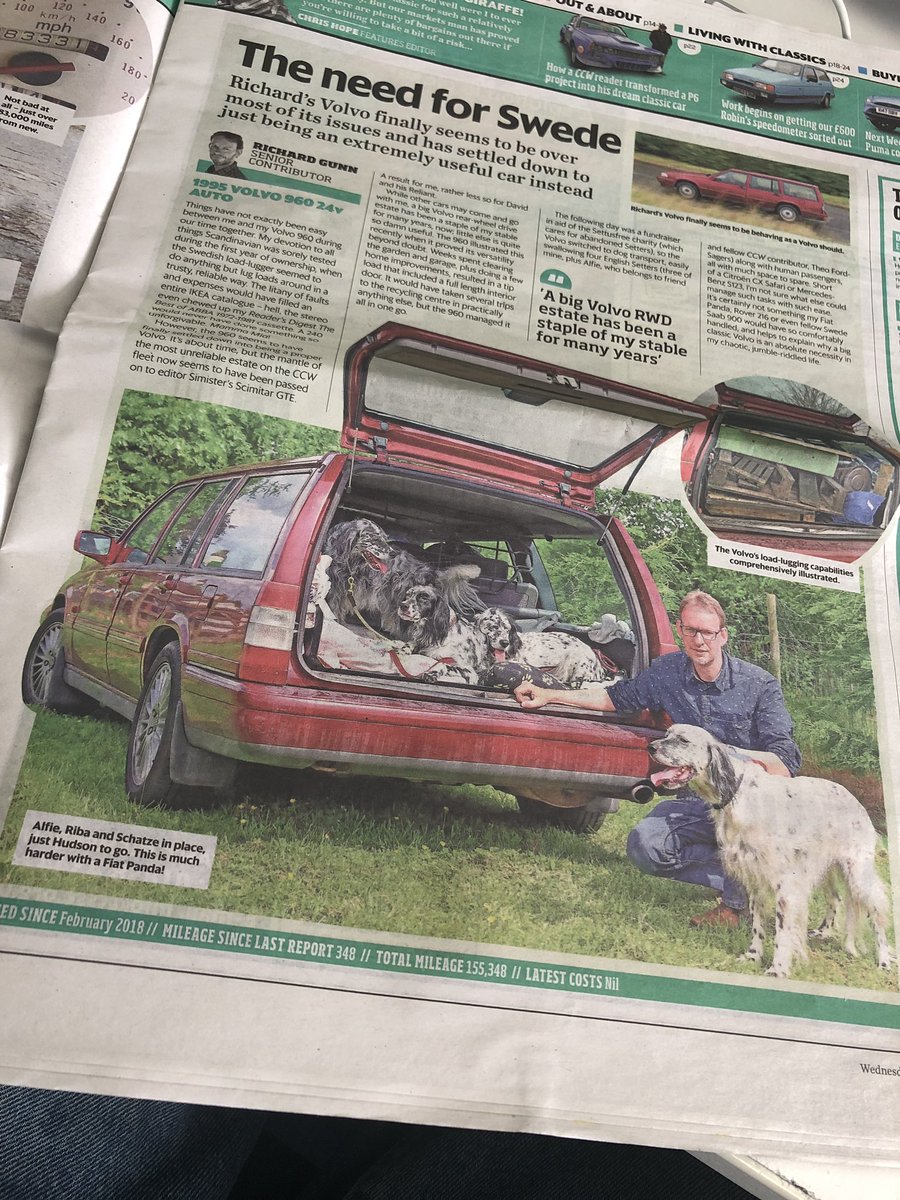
<point x="699" y="635"/>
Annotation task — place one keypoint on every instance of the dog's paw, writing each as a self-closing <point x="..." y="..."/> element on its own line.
<point x="753" y="956"/>
<point x="776" y="972"/>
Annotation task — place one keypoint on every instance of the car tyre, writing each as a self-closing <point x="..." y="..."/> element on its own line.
<point x="826" y="101"/>
<point x="686" y="189"/>
<point x="788" y="212"/>
<point x="586" y="819"/>
<point x="573" y="57"/>
<point x="43" y="685"/>
<point x="148" y="775"/>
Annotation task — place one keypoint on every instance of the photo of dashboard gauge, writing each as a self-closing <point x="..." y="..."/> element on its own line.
<point x="90" y="56"/>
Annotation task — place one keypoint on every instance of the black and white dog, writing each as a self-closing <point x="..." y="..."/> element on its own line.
<point x="432" y="627"/>
<point x="369" y="578"/>
<point x="781" y="837"/>
<point x="560" y="654"/>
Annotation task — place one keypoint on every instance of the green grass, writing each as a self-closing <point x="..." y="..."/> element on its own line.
<point x="446" y="862"/>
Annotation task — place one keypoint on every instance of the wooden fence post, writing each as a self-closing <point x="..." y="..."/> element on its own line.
<point x="774" y="639"/>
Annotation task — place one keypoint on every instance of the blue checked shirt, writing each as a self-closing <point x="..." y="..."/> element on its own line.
<point x="744" y="706"/>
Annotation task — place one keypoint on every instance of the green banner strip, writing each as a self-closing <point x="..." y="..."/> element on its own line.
<point x="442" y="964"/>
<point x="890" y="319"/>
<point x="237" y="186"/>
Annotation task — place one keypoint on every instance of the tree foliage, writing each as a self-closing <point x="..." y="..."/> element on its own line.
<point x="159" y="440"/>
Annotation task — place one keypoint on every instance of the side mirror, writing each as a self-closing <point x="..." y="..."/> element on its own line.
<point x="93" y="545"/>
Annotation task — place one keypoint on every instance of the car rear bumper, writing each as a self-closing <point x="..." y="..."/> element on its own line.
<point x="453" y="742"/>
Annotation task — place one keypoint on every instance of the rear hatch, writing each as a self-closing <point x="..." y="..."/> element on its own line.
<point x="442" y="404"/>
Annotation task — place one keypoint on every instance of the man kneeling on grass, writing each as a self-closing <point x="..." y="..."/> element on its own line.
<point x="735" y="701"/>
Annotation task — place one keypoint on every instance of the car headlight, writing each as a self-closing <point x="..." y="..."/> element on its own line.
<point x="727" y="77"/>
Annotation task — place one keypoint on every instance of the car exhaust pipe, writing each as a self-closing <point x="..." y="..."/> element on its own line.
<point x="643" y="792"/>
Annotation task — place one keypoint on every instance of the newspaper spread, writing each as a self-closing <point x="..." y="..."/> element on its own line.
<point x="431" y="357"/>
<point x="74" y="76"/>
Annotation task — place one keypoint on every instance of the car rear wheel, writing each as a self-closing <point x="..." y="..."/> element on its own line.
<point x="586" y="819"/>
<point x="42" y="674"/>
<point x="826" y="101"/>
<point x="788" y="212"/>
<point x="688" y="190"/>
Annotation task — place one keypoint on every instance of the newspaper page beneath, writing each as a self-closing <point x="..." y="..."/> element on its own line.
<point x="74" y="76"/>
<point x="428" y="363"/>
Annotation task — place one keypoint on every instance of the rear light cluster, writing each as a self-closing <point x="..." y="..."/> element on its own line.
<point x="271" y="627"/>
<point x="269" y="635"/>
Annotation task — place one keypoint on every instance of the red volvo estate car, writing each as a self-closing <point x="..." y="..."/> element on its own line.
<point x="192" y="624"/>
<point x="790" y="478"/>
<point x="787" y="198"/>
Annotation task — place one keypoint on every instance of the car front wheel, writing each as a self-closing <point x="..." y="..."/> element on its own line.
<point x="147" y="776"/>
<point x="585" y="819"/>
<point x="689" y="191"/>
<point x="42" y="674"/>
<point x="787" y="212"/>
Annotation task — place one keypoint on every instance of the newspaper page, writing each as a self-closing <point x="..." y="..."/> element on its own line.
<point x="74" y="76"/>
<point x="458" y="546"/>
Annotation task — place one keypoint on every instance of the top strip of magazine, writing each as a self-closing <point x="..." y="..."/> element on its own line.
<point x="455" y="571"/>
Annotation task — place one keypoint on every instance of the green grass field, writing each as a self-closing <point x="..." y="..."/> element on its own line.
<point x="446" y="862"/>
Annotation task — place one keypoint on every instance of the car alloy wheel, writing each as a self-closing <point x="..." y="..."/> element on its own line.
<point x="787" y="212"/>
<point x="688" y="190"/>
<point x="42" y="673"/>
<point x="150" y="722"/>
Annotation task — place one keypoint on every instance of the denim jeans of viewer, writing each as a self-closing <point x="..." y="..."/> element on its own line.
<point x="677" y="840"/>
<point x="67" y="1146"/>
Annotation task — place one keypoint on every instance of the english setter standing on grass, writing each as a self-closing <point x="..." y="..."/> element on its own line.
<point x="781" y="837"/>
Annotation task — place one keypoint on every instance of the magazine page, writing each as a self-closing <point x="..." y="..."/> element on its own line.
<point x="452" y="592"/>
<point x="74" y="76"/>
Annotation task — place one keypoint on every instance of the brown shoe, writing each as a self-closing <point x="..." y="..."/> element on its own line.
<point x="720" y="914"/>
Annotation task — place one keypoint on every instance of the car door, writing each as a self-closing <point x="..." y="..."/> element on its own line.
<point x="159" y="592"/>
<point x="93" y="615"/>
<point x="729" y="186"/>
<point x="231" y="565"/>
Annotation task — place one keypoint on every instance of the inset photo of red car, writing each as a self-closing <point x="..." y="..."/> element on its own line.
<point x="703" y="181"/>
<point x="784" y="466"/>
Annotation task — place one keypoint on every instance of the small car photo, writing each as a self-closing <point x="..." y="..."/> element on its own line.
<point x="788" y="199"/>
<point x="774" y="81"/>
<point x="592" y="42"/>
<point x="883" y="112"/>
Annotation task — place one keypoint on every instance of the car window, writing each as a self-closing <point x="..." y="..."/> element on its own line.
<point x="800" y="191"/>
<point x="181" y="534"/>
<point x="584" y="587"/>
<point x="246" y="530"/>
<point x="763" y="183"/>
<point x="732" y="177"/>
<point x="143" y="537"/>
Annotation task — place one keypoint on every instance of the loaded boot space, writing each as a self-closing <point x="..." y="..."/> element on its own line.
<point x="429" y="583"/>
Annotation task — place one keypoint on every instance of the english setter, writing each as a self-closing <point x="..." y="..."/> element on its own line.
<point x="562" y="655"/>
<point x="369" y="578"/>
<point x="781" y="837"/>
<point x="433" y="628"/>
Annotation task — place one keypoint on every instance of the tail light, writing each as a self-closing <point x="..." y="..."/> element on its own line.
<point x="269" y="634"/>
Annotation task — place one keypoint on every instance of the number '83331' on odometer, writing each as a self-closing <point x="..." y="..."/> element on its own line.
<point x="91" y="56"/>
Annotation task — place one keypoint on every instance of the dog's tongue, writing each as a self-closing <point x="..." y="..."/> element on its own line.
<point x="671" y="777"/>
<point x="499" y="655"/>
<point x="375" y="563"/>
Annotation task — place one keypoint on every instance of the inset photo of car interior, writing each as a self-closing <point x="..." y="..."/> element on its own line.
<point x="785" y="466"/>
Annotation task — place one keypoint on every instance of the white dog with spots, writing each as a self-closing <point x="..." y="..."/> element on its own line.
<point x="781" y="837"/>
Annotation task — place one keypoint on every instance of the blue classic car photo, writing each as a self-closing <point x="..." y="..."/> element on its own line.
<point x="771" y="81"/>
<point x="883" y="112"/>
<point x="595" y="43"/>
